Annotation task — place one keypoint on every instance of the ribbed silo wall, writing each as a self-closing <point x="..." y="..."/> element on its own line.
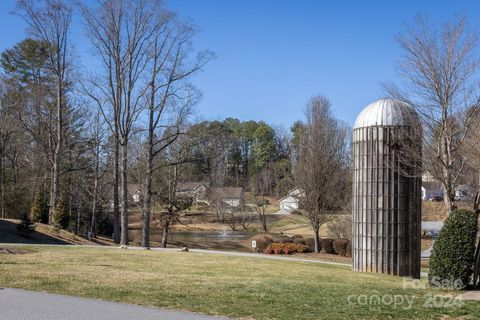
<point x="386" y="201"/>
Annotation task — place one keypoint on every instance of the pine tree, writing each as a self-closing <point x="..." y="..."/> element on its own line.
<point x="39" y="209"/>
<point x="60" y="216"/>
<point x="26" y="224"/>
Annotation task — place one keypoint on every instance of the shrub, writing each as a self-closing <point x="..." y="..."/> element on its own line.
<point x="286" y="248"/>
<point x="283" y="239"/>
<point x="263" y="241"/>
<point x="453" y="252"/>
<point x="327" y="245"/>
<point x="294" y="237"/>
<point x="300" y="241"/>
<point x="302" y="248"/>
<point x="341" y="227"/>
<point x="349" y="248"/>
<point x="26" y="224"/>
<point x="340" y="246"/>
<point x="310" y="242"/>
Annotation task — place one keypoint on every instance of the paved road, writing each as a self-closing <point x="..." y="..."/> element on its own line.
<point x="427" y="252"/>
<point x="27" y="305"/>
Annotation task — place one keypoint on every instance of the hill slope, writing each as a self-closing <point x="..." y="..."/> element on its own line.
<point x="42" y="235"/>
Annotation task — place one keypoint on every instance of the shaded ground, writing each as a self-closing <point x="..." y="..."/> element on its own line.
<point x="44" y="234"/>
<point x="9" y="234"/>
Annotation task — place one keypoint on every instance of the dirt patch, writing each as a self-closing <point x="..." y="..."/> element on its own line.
<point x="13" y="251"/>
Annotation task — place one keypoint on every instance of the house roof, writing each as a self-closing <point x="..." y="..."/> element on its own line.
<point x="287" y="197"/>
<point x="133" y="188"/>
<point x="189" y="186"/>
<point x="292" y="193"/>
<point x="227" y="193"/>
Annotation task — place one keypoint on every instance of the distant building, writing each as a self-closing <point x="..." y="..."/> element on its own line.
<point x="134" y="193"/>
<point x="290" y="202"/>
<point x="432" y="189"/>
<point x="197" y="191"/>
<point x="232" y="197"/>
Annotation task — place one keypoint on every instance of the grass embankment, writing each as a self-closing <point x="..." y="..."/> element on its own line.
<point x="44" y="234"/>
<point x="215" y="284"/>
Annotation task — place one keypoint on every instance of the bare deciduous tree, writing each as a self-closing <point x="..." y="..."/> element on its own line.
<point x="122" y="34"/>
<point x="99" y="163"/>
<point x="50" y="23"/>
<point x="438" y="67"/>
<point x="341" y="228"/>
<point x="321" y="172"/>
<point x="170" y="97"/>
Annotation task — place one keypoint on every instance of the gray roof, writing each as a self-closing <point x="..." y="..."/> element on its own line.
<point x="387" y="112"/>
<point x="190" y="186"/>
<point x="227" y="193"/>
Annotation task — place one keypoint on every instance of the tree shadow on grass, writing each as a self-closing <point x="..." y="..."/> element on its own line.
<point x="9" y="234"/>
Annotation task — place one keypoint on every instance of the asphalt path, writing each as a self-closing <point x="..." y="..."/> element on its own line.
<point x="28" y="305"/>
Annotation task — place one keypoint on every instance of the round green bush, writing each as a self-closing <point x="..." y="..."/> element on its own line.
<point x="453" y="252"/>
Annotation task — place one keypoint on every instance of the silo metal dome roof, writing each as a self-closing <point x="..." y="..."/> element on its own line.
<point x="387" y="112"/>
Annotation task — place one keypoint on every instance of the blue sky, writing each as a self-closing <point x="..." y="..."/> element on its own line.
<point x="275" y="54"/>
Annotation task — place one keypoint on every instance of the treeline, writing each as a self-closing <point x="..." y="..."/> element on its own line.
<point x="246" y="154"/>
<point x="76" y="143"/>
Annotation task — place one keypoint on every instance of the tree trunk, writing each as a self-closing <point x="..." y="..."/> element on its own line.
<point x="2" y="185"/>
<point x="124" y="181"/>
<point x="148" y="179"/>
<point x="264" y="222"/>
<point x="447" y="199"/>
<point x="476" y="200"/>
<point x="116" y="198"/>
<point x="58" y="148"/>
<point x="93" y="225"/>
<point x="317" y="239"/>
<point x="476" y="264"/>
<point x="148" y="197"/>
<point x="166" y="229"/>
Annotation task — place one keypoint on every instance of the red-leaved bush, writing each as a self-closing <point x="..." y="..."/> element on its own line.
<point x="286" y="248"/>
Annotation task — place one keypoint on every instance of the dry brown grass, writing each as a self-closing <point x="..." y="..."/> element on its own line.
<point x="238" y="287"/>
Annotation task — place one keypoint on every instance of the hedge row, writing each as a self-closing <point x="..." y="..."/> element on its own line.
<point x="286" y="248"/>
<point x="331" y="246"/>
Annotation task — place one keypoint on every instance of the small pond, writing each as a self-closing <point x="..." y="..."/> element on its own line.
<point x="194" y="236"/>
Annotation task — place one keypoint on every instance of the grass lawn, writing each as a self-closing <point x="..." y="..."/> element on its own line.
<point x="239" y="287"/>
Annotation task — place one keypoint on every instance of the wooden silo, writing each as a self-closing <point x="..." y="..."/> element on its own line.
<point x="387" y="189"/>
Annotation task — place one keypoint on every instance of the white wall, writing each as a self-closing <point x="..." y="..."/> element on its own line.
<point x="289" y="203"/>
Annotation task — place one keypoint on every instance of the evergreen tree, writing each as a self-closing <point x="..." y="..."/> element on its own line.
<point x="60" y="218"/>
<point x="39" y="209"/>
<point x="263" y="148"/>
<point x="26" y="224"/>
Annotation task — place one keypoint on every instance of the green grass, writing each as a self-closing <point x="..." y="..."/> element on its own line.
<point x="215" y="284"/>
<point x="290" y="220"/>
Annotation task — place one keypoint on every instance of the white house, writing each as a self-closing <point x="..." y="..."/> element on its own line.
<point x="232" y="197"/>
<point x="290" y="201"/>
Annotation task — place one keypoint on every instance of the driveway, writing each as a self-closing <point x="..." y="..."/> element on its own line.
<point x="28" y="305"/>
